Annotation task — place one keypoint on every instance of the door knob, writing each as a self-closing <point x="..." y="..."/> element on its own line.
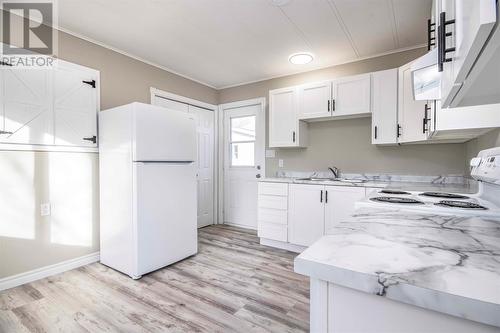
<point x="257" y="175"/>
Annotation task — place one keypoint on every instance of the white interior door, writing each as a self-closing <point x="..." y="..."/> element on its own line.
<point x="205" y="164"/>
<point x="244" y="144"/>
<point x="205" y="131"/>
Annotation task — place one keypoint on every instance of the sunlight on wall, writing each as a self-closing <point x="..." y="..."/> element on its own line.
<point x="71" y="181"/>
<point x="17" y="195"/>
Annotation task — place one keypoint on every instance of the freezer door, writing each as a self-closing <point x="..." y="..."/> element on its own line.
<point x="160" y="134"/>
<point x="164" y="214"/>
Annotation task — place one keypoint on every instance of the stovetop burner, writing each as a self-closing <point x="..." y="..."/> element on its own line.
<point x="460" y="204"/>
<point x="397" y="200"/>
<point x="444" y="195"/>
<point x="394" y="192"/>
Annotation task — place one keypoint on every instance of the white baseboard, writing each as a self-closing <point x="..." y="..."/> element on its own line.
<point x="282" y="245"/>
<point x="43" y="272"/>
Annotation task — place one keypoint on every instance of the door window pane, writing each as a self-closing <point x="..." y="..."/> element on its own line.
<point x="243" y="129"/>
<point x="242" y="154"/>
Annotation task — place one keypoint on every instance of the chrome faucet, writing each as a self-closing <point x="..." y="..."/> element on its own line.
<point x="335" y="171"/>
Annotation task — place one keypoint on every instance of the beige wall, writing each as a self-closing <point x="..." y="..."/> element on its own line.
<point x="347" y="143"/>
<point x="70" y="180"/>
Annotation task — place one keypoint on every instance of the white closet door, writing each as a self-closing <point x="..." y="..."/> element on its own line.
<point x="26" y="107"/>
<point x="205" y="163"/>
<point x="75" y="105"/>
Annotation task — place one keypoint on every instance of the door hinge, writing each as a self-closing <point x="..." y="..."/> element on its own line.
<point x="90" y="83"/>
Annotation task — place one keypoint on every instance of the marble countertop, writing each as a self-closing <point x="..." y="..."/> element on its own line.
<point x="445" y="263"/>
<point x="470" y="187"/>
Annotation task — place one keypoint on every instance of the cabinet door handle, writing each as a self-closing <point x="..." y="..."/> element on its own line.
<point x="92" y="139"/>
<point x="321" y="196"/>
<point x="333" y="104"/>
<point x="442" y="34"/>
<point x="326" y="196"/>
<point x="398" y="131"/>
<point x="328" y="105"/>
<point x="293" y="136"/>
<point x="376" y="130"/>
<point x="6" y="132"/>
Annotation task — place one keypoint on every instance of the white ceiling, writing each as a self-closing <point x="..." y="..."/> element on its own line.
<point x="223" y="43"/>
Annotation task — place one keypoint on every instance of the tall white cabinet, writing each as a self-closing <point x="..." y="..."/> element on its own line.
<point x="49" y="107"/>
<point x="385" y="107"/>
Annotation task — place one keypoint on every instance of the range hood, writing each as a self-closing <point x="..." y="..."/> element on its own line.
<point x="426" y="78"/>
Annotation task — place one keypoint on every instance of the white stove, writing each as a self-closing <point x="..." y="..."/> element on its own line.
<point x="485" y="168"/>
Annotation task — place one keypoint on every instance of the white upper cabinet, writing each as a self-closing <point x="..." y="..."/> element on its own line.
<point x="315" y="100"/>
<point x="385" y="107"/>
<point x="285" y="130"/>
<point x="411" y="113"/>
<point x="49" y="107"/>
<point x="75" y="105"/>
<point x="470" y="48"/>
<point x="352" y="95"/>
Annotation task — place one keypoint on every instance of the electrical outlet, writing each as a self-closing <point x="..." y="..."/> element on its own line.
<point x="45" y="209"/>
<point x="280" y="163"/>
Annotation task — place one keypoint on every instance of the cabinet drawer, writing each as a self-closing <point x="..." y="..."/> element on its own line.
<point x="272" y="201"/>
<point x="273" y="189"/>
<point x="267" y="215"/>
<point x="273" y="231"/>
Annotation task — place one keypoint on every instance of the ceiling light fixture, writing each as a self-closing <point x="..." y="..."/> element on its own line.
<point x="301" y="58"/>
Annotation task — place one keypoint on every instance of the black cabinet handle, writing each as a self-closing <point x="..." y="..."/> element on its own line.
<point x="442" y="34"/>
<point x="328" y="105"/>
<point x="431" y="40"/>
<point x="4" y="63"/>
<point x="6" y="132"/>
<point x="333" y="104"/>
<point x="293" y="136"/>
<point x="92" y="139"/>
<point x="398" y="130"/>
<point x="376" y="130"/>
<point x="326" y="196"/>
<point x="321" y="196"/>
<point x="426" y="120"/>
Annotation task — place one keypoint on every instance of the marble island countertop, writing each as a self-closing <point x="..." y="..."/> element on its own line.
<point x="445" y="263"/>
<point x="469" y="187"/>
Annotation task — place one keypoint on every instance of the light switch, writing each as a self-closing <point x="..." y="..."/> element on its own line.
<point x="45" y="209"/>
<point x="280" y="163"/>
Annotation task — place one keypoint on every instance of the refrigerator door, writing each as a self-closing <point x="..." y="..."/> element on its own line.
<point x="164" y="214"/>
<point x="160" y="134"/>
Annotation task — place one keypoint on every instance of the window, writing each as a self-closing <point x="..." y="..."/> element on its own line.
<point x="242" y="141"/>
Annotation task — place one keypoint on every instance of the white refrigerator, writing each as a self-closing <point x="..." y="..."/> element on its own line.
<point x="148" y="207"/>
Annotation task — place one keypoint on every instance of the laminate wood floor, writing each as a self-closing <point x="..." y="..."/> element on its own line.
<point x="233" y="284"/>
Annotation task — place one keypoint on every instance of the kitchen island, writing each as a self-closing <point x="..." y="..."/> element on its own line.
<point x="388" y="270"/>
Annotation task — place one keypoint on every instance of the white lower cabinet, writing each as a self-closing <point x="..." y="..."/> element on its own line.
<point x="340" y="203"/>
<point x="306" y="213"/>
<point x="272" y="212"/>
<point x="299" y="214"/>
